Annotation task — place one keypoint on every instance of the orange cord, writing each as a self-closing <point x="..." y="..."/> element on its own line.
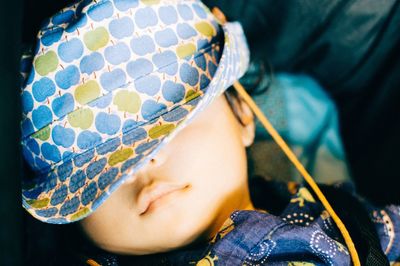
<point x="91" y="262"/>
<point x="292" y="157"/>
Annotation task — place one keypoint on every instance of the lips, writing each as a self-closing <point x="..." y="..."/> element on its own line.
<point x="155" y="191"/>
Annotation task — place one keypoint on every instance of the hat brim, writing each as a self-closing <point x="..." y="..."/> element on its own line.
<point x="95" y="183"/>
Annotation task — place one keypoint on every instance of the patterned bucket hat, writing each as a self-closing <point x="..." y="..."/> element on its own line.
<point x="109" y="83"/>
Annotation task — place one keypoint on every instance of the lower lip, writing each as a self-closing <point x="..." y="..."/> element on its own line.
<point x="162" y="200"/>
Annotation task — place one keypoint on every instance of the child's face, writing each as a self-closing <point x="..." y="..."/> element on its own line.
<point x="208" y="159"/>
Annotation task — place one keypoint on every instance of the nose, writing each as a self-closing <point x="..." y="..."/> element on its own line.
<point x="157" y="160"/>
<point x="154" y="163"/>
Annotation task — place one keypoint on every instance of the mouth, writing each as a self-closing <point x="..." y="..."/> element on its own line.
<point x="153" y="196"/>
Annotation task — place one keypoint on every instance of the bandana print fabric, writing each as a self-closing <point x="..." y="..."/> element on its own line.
<point x="302" y="233"/>
<point x="109" y="83"/>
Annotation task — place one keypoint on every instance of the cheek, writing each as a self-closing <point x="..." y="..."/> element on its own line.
<point x="213" y="159"/>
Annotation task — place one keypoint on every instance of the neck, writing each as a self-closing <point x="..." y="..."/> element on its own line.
<point x="224" y="220"/>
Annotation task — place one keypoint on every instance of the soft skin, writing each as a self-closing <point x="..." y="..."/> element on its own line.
<point x="209" y="157"/>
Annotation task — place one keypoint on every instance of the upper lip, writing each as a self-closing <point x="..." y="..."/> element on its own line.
<point x="153" y="192"/>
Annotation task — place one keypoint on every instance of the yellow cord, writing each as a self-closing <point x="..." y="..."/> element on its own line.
<point x="292" y="157"/>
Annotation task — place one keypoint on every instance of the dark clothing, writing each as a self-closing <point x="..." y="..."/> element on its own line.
<point x="289" y="227"/>
<point x="352" y="48"/>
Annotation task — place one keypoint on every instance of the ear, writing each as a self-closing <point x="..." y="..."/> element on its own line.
<point x="247" y="125"/>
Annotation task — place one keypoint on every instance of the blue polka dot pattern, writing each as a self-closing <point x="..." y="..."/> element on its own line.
<point x="109" y="146"/>
<point x="168" y="14"/>
<point x="106" y="178"/>
<point x="77" y="181"/>
<point x="59" y="195"/>
<point x="166" y="38"/>
<point x="47" y="212"/>
<point x="69" y="206"/>
<point x="121" y="28"/>
<point x="142" y="45"/>
<point x="64" y="171"/>
<point x="89" y="193"/>
<point x="102" y="76"/>
<point x="42" y="89"/>
<point x="82" y="159"/>
<point x="95" y="168"/>
<point x="71" y="50"/>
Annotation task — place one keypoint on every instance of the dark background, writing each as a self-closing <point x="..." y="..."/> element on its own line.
<point x="10" y="195"/>
<point x="351" y="47"/>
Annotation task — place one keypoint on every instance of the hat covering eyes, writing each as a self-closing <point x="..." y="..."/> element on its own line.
<point x="107" y="85"/>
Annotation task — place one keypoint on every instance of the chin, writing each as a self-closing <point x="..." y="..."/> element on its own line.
<point x="188" y="228"/>
<point x="171" y="244"/>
